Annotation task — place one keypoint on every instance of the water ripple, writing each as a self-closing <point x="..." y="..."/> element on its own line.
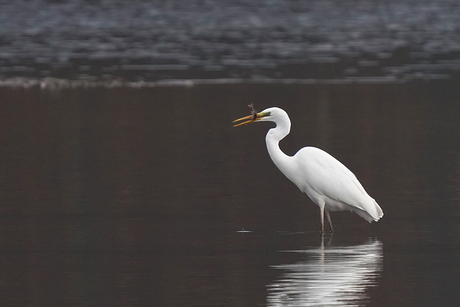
<point x="329" y="276"/>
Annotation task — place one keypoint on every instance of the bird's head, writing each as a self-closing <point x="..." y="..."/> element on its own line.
<point x="271" y="114"/>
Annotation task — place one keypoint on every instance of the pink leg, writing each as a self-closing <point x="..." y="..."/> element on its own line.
<point x="321" y="210"/>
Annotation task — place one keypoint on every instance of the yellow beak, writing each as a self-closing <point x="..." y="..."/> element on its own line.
<point x="248" y="119"/>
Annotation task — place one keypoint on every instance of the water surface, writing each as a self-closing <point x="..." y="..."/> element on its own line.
<point x="149" y="196"/>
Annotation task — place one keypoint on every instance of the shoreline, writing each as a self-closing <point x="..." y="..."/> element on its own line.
<point x="58" y="83"/>
<point x="150" y="42"/>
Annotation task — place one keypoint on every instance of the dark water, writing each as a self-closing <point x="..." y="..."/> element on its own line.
<point x="149" y="197"/>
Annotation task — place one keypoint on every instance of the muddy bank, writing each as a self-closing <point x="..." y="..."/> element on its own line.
<point x="144" y="41"/>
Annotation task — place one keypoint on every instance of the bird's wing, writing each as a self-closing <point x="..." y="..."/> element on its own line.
<point x="329" y="177"/>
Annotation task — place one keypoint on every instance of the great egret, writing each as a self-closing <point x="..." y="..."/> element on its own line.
<point x="328" y="183"/>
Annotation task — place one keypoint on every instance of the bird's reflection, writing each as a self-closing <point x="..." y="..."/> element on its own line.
<point x="329" y="276"/>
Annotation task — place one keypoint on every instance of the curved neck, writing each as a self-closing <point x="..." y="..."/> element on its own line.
<point x="274" y="136"/>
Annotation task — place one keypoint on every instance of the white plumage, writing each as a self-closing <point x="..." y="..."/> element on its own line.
<point x="328" y="183"/>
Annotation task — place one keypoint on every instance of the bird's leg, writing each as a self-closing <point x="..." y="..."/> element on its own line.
<point x="329" y="220"/>
<point x="321" y="210"/>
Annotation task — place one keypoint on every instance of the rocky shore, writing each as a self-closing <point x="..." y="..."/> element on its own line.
<point x="148" y="41"/>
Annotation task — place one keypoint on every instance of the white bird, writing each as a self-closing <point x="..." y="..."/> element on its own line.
<point x="328" y="183"/>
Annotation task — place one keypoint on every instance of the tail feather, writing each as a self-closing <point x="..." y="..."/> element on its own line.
<point x="370" y="212"/>
<point x="375" y="211"/>
<point x="379" y="212"/>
